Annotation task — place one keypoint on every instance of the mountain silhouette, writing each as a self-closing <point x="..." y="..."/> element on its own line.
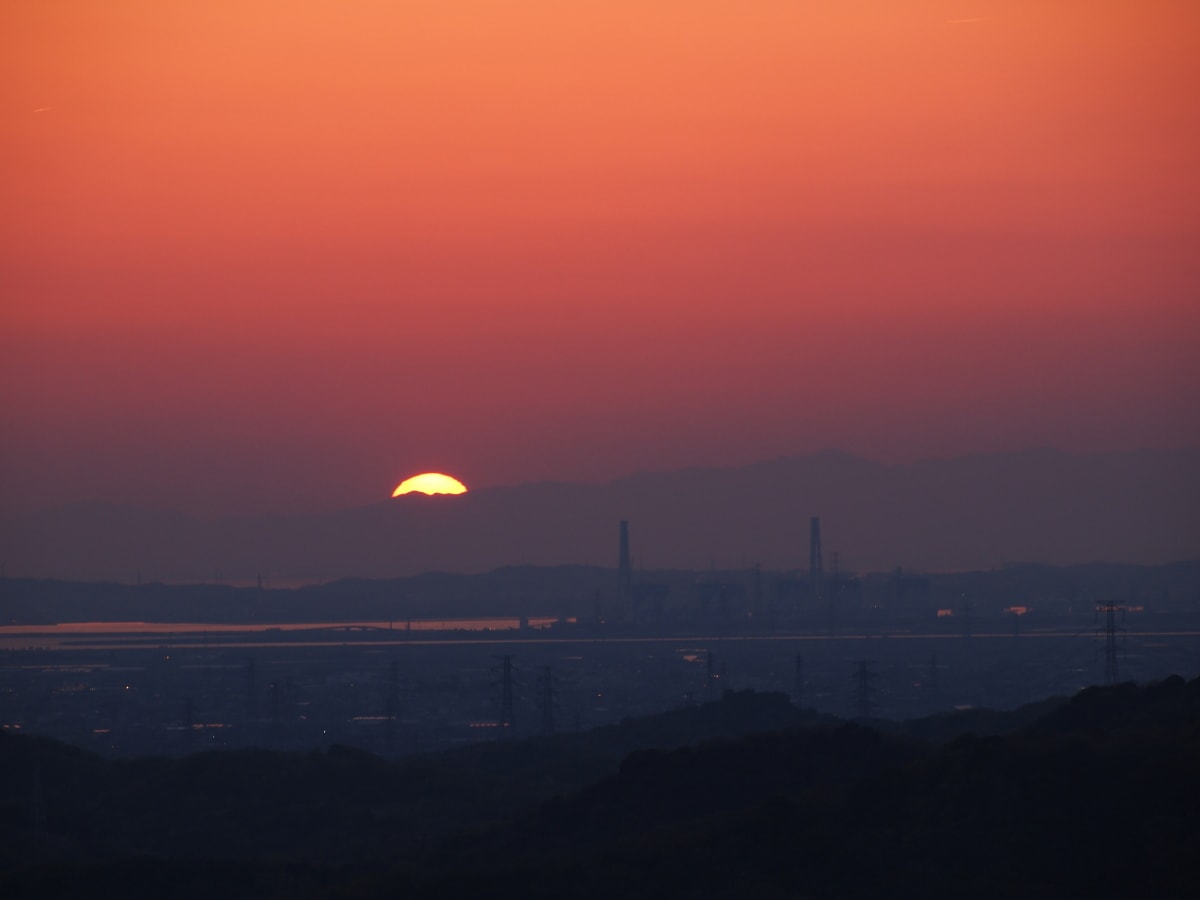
<point x="975" y="512"/>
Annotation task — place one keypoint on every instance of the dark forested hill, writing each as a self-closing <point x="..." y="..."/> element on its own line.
<point x="340" y="806"/>
<point x="1094" y="796"/>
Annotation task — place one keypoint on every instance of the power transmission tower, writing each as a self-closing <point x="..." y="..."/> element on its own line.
<point x="507" y="720"/>
<point x="711" y="678"/>
<point x="393" y="698"/>
<point x="864" y="690"/>
<point x="251" y="692"/>
<point x="1112" y="669"/>
<point x="275" y="693"/>
<point x="798" y="688"/>
<point x="547" y="692"/>
<point x="835" y="593"/>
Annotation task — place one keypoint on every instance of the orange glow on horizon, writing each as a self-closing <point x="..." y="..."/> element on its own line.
<point x="978" y="219"/>
<point x="430" y="483"/>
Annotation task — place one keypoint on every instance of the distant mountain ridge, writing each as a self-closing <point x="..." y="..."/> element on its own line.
<point x="974" y="512"/>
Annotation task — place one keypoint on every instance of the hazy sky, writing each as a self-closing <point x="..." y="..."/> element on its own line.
<point x="278" y="254"/>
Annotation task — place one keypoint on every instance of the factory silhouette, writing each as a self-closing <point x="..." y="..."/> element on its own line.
<point x="720" y="597"/>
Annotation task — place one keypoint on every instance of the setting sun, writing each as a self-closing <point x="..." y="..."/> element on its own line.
<point x="430" y="483"/>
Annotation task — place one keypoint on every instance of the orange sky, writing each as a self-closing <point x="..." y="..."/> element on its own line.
<point x="279" y="255"/>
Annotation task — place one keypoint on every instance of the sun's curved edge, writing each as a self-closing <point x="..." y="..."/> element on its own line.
<point x="430" y="483"/>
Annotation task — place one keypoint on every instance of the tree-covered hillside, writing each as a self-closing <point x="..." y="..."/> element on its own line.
<point x="1092" y="796"/>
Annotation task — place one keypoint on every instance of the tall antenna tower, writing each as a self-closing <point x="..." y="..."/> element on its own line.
<point x="816" y="575"/>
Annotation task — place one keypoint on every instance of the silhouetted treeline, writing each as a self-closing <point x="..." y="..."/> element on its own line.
<point x="1095" y="796"/>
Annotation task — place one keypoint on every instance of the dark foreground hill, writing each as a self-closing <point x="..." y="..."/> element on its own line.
<point x="1095" y="796"/>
